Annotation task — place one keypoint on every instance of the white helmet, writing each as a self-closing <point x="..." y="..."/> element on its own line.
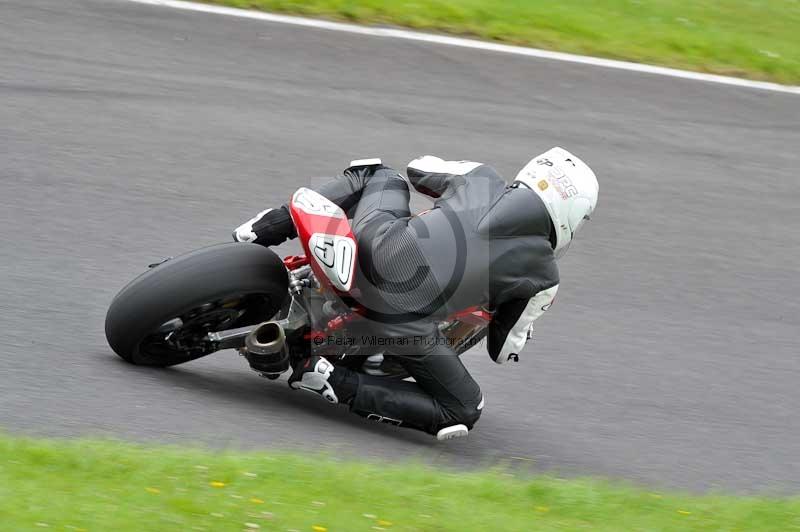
<point x="568" y="188"/>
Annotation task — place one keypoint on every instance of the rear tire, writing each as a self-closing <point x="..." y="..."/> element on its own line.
<point x="214" y="288"/>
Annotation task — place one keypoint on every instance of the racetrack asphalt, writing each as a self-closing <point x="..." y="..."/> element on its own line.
<point x="130" y="132"/>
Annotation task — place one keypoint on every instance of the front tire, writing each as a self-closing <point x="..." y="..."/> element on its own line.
<point x="160" y="318"/>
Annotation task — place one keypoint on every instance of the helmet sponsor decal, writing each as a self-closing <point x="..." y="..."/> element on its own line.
<point x="558" y="178"/>
<point x="563" y="183"/>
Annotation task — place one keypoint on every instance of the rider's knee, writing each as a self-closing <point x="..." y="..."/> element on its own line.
<point x="472" y="418"/>
<point x="365" y="169"/>
<point x="468" y="414"/>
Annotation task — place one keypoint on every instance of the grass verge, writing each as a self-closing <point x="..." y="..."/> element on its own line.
<point x="747" y="38"/>
<point x="101" y="485"/>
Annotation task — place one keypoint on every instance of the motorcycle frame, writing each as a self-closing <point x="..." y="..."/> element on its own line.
<point x="326" y="271"/>
<point x="303" y="284"/>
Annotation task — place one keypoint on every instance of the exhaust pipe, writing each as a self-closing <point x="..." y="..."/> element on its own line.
<point x="266" y="350"/>
<point x="266" y="339"/>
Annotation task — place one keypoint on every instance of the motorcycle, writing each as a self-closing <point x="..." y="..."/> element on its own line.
<point x="243" y="296"/>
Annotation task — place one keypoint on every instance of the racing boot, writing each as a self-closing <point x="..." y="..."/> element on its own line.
<point x="314" y="374"/>
<point x="452" y="432"/>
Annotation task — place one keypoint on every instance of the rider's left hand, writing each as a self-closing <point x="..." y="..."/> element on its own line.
<point x="270" y="227"/>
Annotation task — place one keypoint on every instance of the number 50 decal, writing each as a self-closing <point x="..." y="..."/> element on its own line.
<point x="336" y="255"/>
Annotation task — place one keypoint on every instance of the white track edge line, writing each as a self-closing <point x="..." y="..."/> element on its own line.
<point x="470" y="43"/>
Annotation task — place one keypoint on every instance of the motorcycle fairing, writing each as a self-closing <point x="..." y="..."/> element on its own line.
<point x="325" y="235"/>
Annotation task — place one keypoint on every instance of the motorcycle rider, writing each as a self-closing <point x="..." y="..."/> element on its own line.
<point x="484" y="243"/>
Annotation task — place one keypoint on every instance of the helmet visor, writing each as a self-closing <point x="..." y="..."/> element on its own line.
<point x="561" y="252"/>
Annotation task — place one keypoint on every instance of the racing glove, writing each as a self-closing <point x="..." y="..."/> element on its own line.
<point x="270" y="227"/>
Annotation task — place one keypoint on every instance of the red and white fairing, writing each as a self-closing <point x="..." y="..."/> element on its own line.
<point x="326" y="236"/>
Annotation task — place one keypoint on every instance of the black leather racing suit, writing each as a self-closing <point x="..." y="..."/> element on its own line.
<point x="483" y="243"/>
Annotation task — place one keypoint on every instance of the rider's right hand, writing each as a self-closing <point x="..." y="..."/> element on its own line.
<point x="270" y="227"/>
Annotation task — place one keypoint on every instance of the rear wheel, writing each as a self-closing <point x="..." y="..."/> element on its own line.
<point x="162" y="317"/>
